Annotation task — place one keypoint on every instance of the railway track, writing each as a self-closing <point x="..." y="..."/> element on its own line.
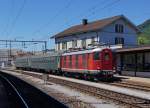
<point x="132" y="85"/>
<point x="14" y="94"/>
<point x="23" y="95"/>
<point x="123" y="99"/>
<point x="105" y="94"/>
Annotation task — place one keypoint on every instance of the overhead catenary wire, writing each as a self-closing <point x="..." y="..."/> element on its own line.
<point x="53" y="18"/>
<point x="8" y="18"/>
<point x="17" y="17"/>
<point x="89" y="10"/>
<point x="93" y="8"/>
<point x="23" y="44"/>
<point x="67" y="5"/>
<point x="104" y="7"/>
<point x="81" y="14"/>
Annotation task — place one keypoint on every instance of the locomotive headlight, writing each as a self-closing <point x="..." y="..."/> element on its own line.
<point x="98" y="68"/>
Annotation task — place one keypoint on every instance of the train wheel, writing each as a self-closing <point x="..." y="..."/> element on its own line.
<point x="66" y="74"/>
<point x="89" y="78"/>
<point x="85" y="76"/>
<point x="96" y="79"/>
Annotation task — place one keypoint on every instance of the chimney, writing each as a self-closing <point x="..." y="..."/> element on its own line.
<point x="84" y="21"/>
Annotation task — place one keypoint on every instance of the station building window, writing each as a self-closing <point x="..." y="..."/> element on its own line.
<point x="84" y="43"/>
<point x="129" y="62"/>
<point x="147" y="61"/>
<point x="64" y="45"/>
<point x="140" y="62"/>
<point x="74" y="43"/>
<point x="119" y="40"/>
<point x="92" y="40"/>
<point x="119" y="28"/>
<point x="58" y="46"/>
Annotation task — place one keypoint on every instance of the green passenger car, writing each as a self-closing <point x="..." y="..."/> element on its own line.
<point x="22" y="62"/>
<point x="45" y="62"/>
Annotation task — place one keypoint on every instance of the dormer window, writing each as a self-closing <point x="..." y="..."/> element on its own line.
<point x="119" y="28"/>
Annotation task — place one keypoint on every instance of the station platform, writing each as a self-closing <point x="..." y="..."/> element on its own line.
<point x="141" y="74"/>
<point x="134" y="79"/>
<point x="4" y="103"/>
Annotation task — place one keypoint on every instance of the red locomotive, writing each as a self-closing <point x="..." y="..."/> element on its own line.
<point x="90" y="64"/>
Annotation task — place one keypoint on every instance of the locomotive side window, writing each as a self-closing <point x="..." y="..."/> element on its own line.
<point x="76" y="61"/>
<point x="96" y="56"/>
<point x="106" y="57"/>
<point x="84" y="60"/>
<point x="70" y="61"/>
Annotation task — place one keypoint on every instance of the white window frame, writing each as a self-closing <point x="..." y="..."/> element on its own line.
<point x="83" y="42"/>
<point x="64" y="45"/>
<point x="74" y="43"/>
<point x="119" y="28"/>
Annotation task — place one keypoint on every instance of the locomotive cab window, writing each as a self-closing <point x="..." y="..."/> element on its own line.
<point x="106" y="56"/>
<point x="96" y="56"/>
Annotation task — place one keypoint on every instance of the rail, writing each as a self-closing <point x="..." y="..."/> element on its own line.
<point x="23" y="102"/>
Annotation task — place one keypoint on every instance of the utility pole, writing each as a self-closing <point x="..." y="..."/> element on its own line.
<point x="45" y="46"/>
<point x="10" y="53"/>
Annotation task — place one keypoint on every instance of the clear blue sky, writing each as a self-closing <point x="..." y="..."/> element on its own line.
<point x="40" y="19"/>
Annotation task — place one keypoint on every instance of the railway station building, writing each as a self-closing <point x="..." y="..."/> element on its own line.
<point x="134" y="61"/>
<point x="111" y="31"/>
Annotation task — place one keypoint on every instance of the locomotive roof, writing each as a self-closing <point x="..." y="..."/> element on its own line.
<point x="85" y="51"/>
<point x="112" y="48"/>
